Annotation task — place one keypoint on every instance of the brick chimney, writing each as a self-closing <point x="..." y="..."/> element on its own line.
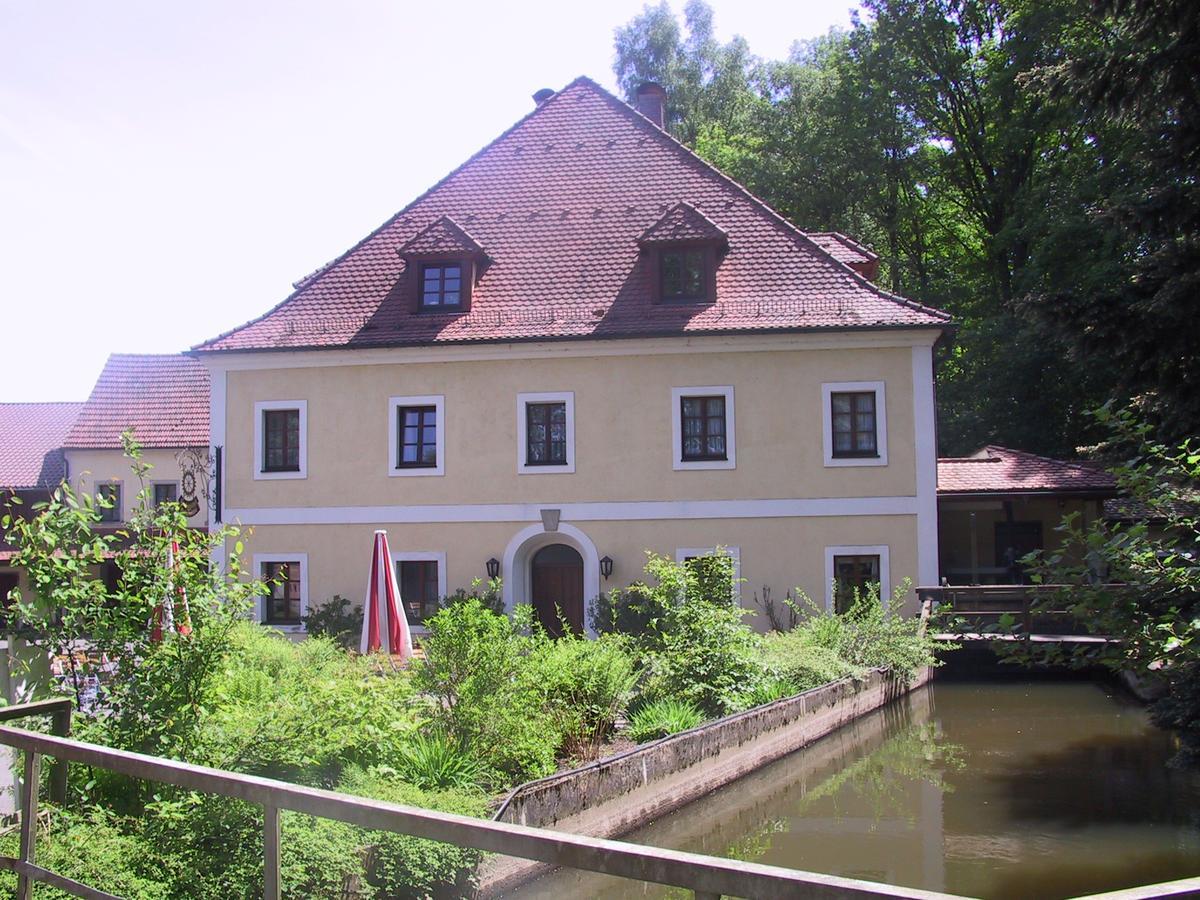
<point x="652" y="102"/>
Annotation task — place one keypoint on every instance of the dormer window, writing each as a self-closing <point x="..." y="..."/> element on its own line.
<point x="441" y="286"/>
<point x="682" y="250"/>
<point x="443" y="263"/>
<point x="682" y="274"/>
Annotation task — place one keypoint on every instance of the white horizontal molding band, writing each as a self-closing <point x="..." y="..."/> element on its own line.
<point x="577" y="512"/>
<point x="482" y="351"/>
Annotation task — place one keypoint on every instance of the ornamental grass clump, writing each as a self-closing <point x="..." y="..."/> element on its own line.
<point x="663" y="717"/>
<point x="432" y="760"/>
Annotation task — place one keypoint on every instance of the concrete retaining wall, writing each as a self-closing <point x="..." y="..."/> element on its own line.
<point x="617" y="794"/>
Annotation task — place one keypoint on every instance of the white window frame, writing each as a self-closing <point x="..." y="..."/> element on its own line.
<point x="119" y="506"/>
<point x="837" y="387"/>
<point x="678" y="463"/>
<point x="439" y="557"/>
<point x="885" y="568"/>
<point x="154" y="484"/>
<point x="260" y="603"/>
<point x="263" y="406"/>
<point x="438" y="401"/>
<point x="734" y="553"/>
<point x="567" y="397"/>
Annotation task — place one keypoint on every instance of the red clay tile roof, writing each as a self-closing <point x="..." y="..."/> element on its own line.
<point x="442" y="236"/>
<point x="682" y="222"/>
<point x="31" y="439"/>
<point x="164" y="399"/>
<point x="557" y="202"/>
<point x="999" y="470"/>
<point x="843" y="249"/>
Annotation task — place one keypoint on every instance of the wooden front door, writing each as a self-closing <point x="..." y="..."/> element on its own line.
<point x="558" y="588"/>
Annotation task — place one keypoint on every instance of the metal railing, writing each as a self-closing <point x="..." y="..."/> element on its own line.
<point x="708" y="877"/>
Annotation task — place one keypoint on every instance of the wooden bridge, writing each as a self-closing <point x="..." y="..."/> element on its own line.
<point x="1002" y="612"/>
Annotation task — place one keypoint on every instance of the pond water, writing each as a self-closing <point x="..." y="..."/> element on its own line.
<point x="1036" y="789"/>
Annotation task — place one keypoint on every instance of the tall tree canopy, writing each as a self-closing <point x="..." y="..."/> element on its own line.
<point x="1029" y="166"/>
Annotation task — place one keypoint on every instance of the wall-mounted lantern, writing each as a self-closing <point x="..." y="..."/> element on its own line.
<point x="606" y="565"/>
<point x="493" y="567"/>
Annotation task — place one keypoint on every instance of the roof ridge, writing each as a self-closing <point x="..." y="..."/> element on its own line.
<point x="320" y="273"/>
<point x="1079" y="464"/>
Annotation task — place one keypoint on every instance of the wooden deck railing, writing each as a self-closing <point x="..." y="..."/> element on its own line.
<point x="708" y="877"/>
<point x="959" y="607"/>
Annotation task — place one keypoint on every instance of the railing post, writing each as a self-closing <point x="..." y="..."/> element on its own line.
<point x="60" y="726"/>
<point x="1027" y="615"/>
<point x="29" y="813"/>
<point x="271" y="852"/>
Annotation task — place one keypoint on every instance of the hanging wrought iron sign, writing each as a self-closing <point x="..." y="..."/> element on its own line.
<point x="193" y="479"/>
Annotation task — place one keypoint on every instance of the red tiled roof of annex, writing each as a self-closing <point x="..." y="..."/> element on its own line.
<point x="162" y="398"/>
<point x="1000" y="470"/>
<point x="557" y="203"/>
<point x="31" y="439"/>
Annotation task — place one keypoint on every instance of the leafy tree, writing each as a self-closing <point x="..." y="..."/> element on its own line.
<point x="1149" y="596"/>
<point x="154" y="691"/>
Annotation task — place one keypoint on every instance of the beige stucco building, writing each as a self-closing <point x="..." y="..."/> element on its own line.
<point x="583" y="344"/>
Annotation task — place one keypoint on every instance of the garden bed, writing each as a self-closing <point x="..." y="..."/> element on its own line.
<point x="615" y="795"/>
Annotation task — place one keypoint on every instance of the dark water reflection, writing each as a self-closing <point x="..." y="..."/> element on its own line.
<point x="1026" y="789"/>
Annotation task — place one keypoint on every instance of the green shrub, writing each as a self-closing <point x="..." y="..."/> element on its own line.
<point x="432" y="760"/>
<point x="401" y="866"/>
<point x="473" y="667"/>
<point x="337" y="620"/>
<point x="802" y="660"/>
<point x="301" y="711"/>
<point x="585" y="684"/>
<point x="322" y="858"/>
<point x="660" y="718"/>
<point x="489" y="593"/>
<point x="95" y="848"/>
<point x="872" y="633"/>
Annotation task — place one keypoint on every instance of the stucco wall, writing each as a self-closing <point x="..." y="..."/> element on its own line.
<point x="783" y="553"/>
<point x="87" y="467"/>
<point x="955" y="527"/>
<point x="623" y="415"/>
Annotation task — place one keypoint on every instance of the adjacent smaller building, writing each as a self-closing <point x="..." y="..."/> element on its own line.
<point x="999" y="504"/>
<point x="32" y="464"/>
<point x="163" y="401"/>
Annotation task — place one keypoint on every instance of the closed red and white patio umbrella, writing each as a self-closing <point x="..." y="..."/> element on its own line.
<point x="384" y="626"/>
<point x="164" y="614"/>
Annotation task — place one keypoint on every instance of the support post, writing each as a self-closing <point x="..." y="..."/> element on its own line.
<point x="29" y="812"/>
<point x="60" y="726"/>
<point x="271" y="852"/>
<point x="1027" y="615"/>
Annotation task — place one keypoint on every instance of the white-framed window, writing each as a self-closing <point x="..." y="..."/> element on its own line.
<point x="285" y="603"/>
<point x="546" y="432"/>
<point x="164" y="492"/>
<point x="687" y="554"/>
<point x="854" y="566"/>
<point x="702" y="428"/>
<point x="280" y="439"/>
<point x="854" y="423"/>
<point x="110" y="491"/>
<point x="421" y="580"/>
<point x="417" y="435"/>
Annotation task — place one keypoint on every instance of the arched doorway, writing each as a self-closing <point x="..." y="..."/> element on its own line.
<point x="556" y="592"/>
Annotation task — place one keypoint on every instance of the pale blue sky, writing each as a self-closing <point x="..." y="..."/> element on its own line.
<point x="168" y="169"/>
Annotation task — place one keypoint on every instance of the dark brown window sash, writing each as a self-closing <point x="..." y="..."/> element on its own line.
<point x="442" y="303"/>
<point x="542" y="415"/>
<point x="426" y="437"/>
<point x="279" y="423"/>
<point x="418" y="588"/>
<point x="705" y="416"/>
<point x="282" y="604"/>
<point x="859" y="447"/>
